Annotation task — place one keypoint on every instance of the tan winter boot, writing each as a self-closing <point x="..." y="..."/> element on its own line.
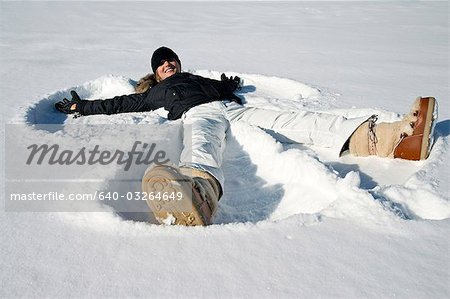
<point x="410" y="138"/>
<point x="181" y="196"/>
<point x="418" y="145"/>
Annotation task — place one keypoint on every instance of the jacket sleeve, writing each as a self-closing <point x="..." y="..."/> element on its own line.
<point x="137" y="102"/>
<point x="226" y="90"/>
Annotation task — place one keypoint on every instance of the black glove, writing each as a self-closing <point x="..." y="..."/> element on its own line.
<point x="65" y="105"/>
<point x="234" y="82"/>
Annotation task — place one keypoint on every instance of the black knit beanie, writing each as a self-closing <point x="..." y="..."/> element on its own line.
<point x="161" y="54"/>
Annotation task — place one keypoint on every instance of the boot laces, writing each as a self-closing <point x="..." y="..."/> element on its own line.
<point x="201" y="185"/>
<point x="373" y="140"/>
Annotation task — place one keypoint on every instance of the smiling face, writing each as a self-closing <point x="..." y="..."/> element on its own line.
<point x="167" y="69"/>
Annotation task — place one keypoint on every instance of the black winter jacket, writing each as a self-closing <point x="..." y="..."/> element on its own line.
<point x="176" y="94"/>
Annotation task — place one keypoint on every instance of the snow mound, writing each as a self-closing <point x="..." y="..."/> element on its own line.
<point x="420" y="195"/>
<point x="267" y="180"/>
<point x="285" y="183"/>
<point x="274" y="92"/>
<point x="43" y="111"/>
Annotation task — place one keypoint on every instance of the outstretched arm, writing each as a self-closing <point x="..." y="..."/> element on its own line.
<point x="226" y="87"/>
<point x="126" y="103"/>
<point x="119" y="104"/>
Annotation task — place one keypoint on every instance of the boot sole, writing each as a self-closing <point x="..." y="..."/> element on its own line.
<point x="430" y="139"/>
<point x="418" y="146"/>
<point x="163" y="182"/>
<point x="425" y="148"/>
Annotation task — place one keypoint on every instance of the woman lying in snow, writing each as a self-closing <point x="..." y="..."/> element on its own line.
<point x="207" y="107"/>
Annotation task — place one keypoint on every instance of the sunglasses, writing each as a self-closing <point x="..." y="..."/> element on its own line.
<point x="168" y="60"/>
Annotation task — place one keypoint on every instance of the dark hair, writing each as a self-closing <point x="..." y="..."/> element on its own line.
<point x="145" y="83"/>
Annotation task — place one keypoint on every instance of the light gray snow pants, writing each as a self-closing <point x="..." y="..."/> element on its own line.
<point x="205" y="128"/>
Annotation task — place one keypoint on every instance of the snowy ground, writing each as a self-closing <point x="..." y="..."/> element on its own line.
<point x="294" y="221"/>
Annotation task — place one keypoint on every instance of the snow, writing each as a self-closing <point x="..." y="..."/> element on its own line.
<point x="295" y="221"/>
